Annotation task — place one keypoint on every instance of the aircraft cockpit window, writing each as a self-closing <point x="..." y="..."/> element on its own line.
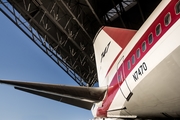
<point x="133" y="59"/>
<point x="177" y="7"/>
<point x="129" y="65"/>
<point x="150" y="39"/>
<point x="158" y="29"/>
<point x="167" y="19"/>
<point x="138" y="53"/>
<point x="144" y="46"/>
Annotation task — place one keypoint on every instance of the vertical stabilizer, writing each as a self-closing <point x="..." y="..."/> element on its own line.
<point x="108" y="44"/>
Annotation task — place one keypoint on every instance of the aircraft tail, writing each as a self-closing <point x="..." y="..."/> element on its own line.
<point x="79" y="96"/>
<point x="108" y="44"/>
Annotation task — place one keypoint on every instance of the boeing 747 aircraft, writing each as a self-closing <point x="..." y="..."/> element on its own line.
<point x="138" y="71"/>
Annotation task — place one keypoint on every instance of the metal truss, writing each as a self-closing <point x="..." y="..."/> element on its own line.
<point x="119" y="9"/>
<point x="52" y="42"/>
<point x="64" y="29"/>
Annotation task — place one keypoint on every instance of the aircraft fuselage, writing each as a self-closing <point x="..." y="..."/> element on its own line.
<point x="143" y="79"/>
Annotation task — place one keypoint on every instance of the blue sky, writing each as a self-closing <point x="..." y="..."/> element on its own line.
<point x="21" y="59"/>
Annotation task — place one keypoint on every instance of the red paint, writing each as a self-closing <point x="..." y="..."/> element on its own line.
<point x="111" y="92"/>
<point x="121" y="37"/>
<point x="114" y="85"/>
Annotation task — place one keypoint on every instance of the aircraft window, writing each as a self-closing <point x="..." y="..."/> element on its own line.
<point x="129" y="65"/>
<point x="119" y="77"/>
<point x="138" y="53"/>
<point x="133" y="59"/>
<point x="150" y="39"/>
<point x="177" y="8"/>
<point x="158" y="29"/>
<point x="167" y="19"/>
<point x="144" y="46"/>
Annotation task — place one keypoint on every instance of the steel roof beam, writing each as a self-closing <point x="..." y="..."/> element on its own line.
<point x="94" y="12"/>
<point x="75" y="18"/>
<point x="139" y="6"/>
<point x="40" y="27"/>
<point x="47" y="14"/>
<point x="60" y="62"/>
<point x="65" y="32"/>
<point x="119" y="13"/>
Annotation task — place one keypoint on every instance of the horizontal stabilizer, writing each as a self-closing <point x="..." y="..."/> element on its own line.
<point x="71" y="101"/>
<point x="125" y="116"/>
<point x="79" y="96"/>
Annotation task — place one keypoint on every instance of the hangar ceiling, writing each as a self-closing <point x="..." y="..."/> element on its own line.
<point x="64" y="29"/>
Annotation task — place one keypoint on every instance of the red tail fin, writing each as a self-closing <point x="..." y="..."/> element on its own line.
<point x="108" y="44"/>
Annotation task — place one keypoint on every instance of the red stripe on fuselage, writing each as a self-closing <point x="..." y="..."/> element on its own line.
<point x="114" y="85"/>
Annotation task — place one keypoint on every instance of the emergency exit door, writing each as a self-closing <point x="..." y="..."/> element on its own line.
<point x="123" y="85"/>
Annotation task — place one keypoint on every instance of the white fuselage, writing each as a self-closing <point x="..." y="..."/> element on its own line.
<point x="150" y="86"/>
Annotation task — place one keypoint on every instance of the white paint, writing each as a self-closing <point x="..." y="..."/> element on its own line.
<point x="119" y="98"/>
<point x="164" y="47"/>
<point x="110" y="51"/>
<point x="167" y="43"/>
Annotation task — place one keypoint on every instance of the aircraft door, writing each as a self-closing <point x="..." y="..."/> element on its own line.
<point x="123" y="85"/>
